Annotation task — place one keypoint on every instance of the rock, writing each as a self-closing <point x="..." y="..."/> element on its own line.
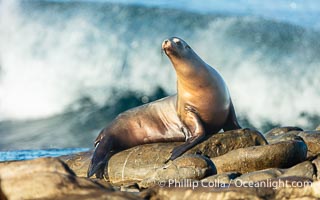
<point x="79" y="163"/>
<point x="281" y="130"/>
<point x="133" y="165"/>
<point x="285" y="137"/>
<point x="199" y="193"/>
<point x="280" y="155"/>
<point x="216" y="145"/>
<point x="260" y="175"/>
<point x="193" y="167"/>
<point x="299" y="189"/>
<point x="281" y="183"/>
<point x="318" y="128"/>
<point x="12" y="168"/>
<point x="304" y="169"/>
<point x="224" y="142"/>
<point x="50" y="178"/>
<point x="222" y="178"/>
<point x="311" y="138"/>
<point x="131" y="188"/>
<point x="2" y="196"/>
<point x="316" y="163"/>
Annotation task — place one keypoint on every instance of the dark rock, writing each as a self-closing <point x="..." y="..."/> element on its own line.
<point x="279" y="155"/>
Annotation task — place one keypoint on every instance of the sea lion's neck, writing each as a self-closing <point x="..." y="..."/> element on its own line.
<point x="188" y="67"/>
<point x="192" y="72"/>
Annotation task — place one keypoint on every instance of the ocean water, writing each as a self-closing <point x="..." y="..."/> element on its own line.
<point x="67" y="68"/>
<point x="32" y="154"/>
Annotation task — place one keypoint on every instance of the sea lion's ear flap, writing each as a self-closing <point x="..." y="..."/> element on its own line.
<point x="99" y="138"/>
<point x="96" y="143"/>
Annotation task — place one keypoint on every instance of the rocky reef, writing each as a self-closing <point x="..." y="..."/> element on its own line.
<point x="283" y="163"/>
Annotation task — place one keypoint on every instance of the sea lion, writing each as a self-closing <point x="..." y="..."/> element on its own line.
<point x="201" y="107"/>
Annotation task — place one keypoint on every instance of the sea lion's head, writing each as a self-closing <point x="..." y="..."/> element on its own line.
<point x="183" y="58"/>
<point x="175" y="47"/>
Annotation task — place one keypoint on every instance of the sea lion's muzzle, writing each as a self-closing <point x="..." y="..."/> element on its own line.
<point x="170" y="46"/>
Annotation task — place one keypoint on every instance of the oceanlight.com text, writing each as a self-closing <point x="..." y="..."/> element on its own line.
<point x="269" y="183"/>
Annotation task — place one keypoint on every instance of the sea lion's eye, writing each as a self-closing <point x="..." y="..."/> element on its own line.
<point x="178" y="43"/>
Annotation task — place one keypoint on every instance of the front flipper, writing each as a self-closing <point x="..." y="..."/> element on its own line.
<point x="195" y="135"/>
<point x="100" y="157"/>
